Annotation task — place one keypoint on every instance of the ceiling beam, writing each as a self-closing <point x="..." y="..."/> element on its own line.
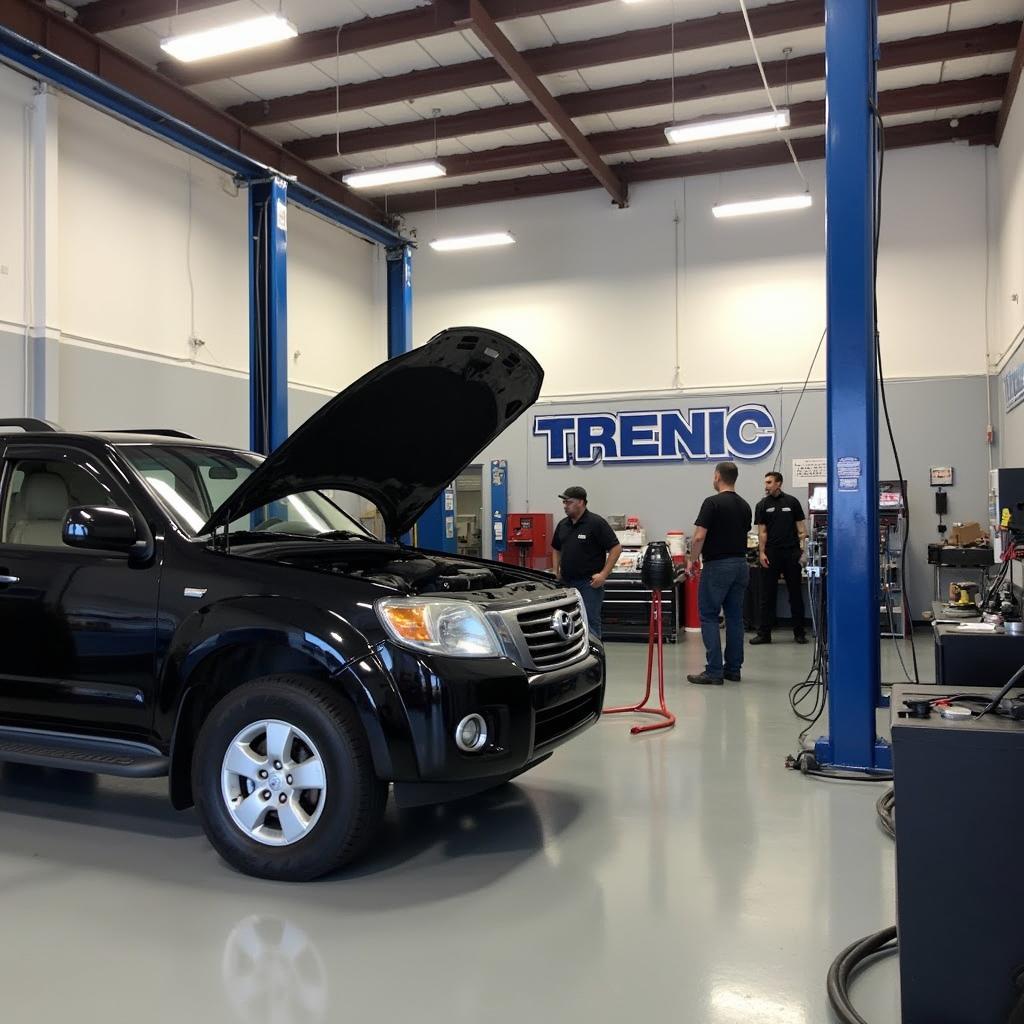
<point x="434" y="19"/>
<point x="949" y="94"/>
<point x="485" y="28"/>
<point x="723" y="82"/>
<point x="55" y="33"/>
<point x="107" y="15"/>
<point x="1011" y="88"/>
<point x="979" y="129"/>
<point x="773" y="19"/>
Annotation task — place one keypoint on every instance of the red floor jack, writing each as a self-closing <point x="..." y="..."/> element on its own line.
<point x="654" y="638"/>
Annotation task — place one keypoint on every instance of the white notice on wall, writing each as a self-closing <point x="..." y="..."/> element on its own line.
<point x="808" y="471"/>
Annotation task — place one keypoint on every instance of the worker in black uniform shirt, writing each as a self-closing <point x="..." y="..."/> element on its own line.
<point x="585" y="549"/>
<point x="782" y="532"/>
<point x="720" y="537"/>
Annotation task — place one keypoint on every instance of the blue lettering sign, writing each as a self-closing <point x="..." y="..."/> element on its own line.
<point x="745" y="433"/>
<point x="1013" y="385"/>
<point x="639" y="435"/>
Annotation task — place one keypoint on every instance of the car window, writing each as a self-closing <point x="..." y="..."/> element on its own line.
<point x="41" y="492"/>
<point x="191" y="481"/>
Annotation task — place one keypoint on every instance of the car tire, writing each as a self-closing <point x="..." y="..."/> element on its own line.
<point x="255" y="806"/>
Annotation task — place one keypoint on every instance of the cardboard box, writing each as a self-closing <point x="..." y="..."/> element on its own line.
<point x="966" y="533"/>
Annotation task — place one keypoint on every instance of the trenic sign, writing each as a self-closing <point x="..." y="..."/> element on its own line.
<point x="744" y="433"/>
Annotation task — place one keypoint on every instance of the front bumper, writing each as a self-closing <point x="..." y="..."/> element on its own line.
<point x="528" y="716"/>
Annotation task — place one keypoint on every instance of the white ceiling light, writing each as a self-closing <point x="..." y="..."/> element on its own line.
<point x="485" y="241"/>
<point x="240" y="35"/>
<point x="774" y="205"/>
<point x="394" y="175"/>
<point x="722" y="127"/>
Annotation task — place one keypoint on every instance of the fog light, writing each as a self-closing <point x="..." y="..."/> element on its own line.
<point x="471" y="734"/>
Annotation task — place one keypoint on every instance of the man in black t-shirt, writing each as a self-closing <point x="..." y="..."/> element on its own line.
<point x="585" y="549"/>
<point x="721" y="538"/>
<point x="781" y="533"/>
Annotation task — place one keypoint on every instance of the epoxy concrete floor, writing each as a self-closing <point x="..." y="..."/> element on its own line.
<point x="682" y="875"/>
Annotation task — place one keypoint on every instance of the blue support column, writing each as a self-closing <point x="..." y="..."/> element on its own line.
<point x="853" y="656"/>
<point x="268" y="314"/>
<point x="499" y="507"/>
<point x="435" y="529"/>
<point x="399" y="260"/>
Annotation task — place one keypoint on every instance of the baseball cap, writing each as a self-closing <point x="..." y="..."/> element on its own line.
<point x="574" y="492"/>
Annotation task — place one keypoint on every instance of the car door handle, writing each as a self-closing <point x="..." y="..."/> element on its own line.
<point x="10" y="579"/>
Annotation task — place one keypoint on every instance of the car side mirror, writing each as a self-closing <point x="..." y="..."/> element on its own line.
<point x="100" y="528"/>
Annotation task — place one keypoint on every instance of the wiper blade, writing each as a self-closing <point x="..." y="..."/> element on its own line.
<point x="346" y="535"/>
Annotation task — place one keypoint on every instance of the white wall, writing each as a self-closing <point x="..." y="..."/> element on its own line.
<point x="1006" y="214"/>
<point x="15" y="96"/>
<point x="151" y="249"/>
<point x="592" y="291"/>
<point x="333" y="335"/>
<point x="1006" y="252"/>
<point x="127" y="241"/>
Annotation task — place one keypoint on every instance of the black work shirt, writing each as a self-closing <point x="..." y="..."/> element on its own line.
<point x="584" y="545"/>
<point x="779" y="517"/>
<point x="726" y="517"/>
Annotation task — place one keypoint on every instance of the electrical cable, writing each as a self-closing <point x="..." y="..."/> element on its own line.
<point x="846" y="965"/>
<point x="768" y="93"/>
<point x="997" y="700"/>
<point x="907" y="605"/>
<point x="885" y="805"/>
<point x="810" y="369"/>
<point x="815" y="688"/>
<point x="188" y="260"/>
<point x="892" y="632"/>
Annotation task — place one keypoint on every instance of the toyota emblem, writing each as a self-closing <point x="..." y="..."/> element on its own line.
<point x="561" y="623"/>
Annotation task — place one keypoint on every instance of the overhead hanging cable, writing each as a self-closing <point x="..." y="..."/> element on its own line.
<point x="768" y="93"/>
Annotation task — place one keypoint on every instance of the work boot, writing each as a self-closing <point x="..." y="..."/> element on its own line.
<point x="761" y="638"/>
<point x="800" y="638"/>
<point x="733" y="677"/>
<point x="703" y="679"/>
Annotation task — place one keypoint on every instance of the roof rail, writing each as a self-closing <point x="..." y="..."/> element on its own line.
<point x="31" y="425"/>
<point x="155" y="431"/>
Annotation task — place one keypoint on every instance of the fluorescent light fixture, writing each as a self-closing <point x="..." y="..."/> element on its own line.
<point x="394" y="175"/>
<point x="240" y="35"/>
<point x="774" y="205"/>
<point x="486" y="241"/>
<point x="721" y="127"/>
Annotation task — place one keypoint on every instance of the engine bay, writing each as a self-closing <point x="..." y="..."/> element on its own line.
<point x="390" y="565"/>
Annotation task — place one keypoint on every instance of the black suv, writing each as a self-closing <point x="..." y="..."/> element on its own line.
<point x="169" y="607"/>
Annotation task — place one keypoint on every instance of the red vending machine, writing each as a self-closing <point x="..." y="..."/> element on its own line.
<point x="528" y="535"/>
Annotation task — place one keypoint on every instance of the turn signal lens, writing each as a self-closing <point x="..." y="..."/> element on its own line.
<point x="439" y="626"/>
<point x="408" y="623"/>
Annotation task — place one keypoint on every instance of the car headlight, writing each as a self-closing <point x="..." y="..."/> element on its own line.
<point x="439" y="626"/>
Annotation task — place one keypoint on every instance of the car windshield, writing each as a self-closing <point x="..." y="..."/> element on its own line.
<point x="190" y="482"/>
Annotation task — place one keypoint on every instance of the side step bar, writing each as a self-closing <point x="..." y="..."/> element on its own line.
<point x="81" y="753"/>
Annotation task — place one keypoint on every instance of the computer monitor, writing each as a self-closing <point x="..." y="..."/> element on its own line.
<point x="817" y="497"/>
<point x="890" y="495"/>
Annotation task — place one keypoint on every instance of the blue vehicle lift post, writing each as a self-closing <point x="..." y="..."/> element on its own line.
<point x="851" y="45"/>
<point x="399" y="261"/>
<point x="268" y="314"/>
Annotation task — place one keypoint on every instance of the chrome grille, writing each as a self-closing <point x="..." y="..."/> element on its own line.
<point x="543" y="648"/>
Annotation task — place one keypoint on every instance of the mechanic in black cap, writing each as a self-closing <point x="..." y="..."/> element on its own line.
<point x="585" y="549"/>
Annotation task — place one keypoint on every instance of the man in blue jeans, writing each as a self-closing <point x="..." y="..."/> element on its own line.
<point x="720" y="537"/>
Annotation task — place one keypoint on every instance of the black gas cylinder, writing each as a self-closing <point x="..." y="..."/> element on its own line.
<point x="656" y="568"/>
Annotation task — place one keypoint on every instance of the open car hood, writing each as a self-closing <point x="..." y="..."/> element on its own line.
<point x="401" y="433"/>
